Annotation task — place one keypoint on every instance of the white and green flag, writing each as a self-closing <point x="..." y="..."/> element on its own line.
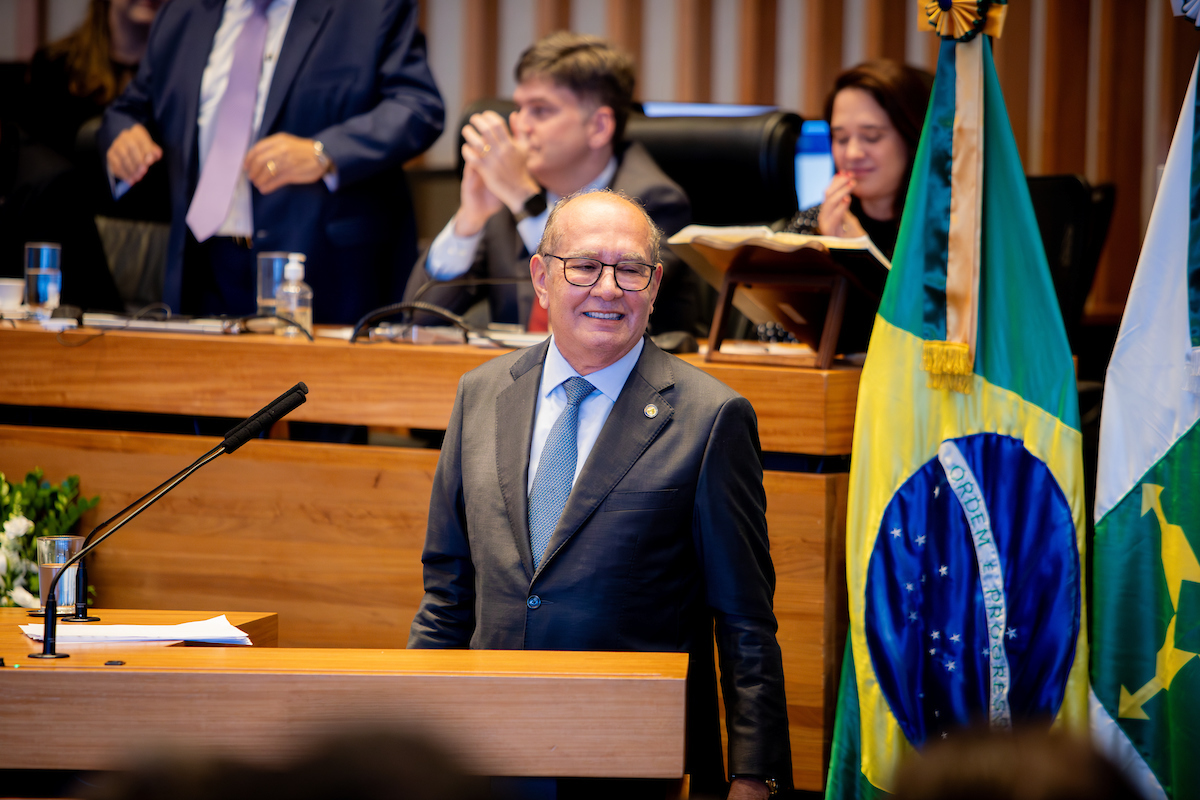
<point x="1146" y="591"/>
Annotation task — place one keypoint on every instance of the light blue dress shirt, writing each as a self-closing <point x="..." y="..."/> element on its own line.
<point x="593" y="412"/>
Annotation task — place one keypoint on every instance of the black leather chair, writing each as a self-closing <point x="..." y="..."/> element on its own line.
<point x="1073" y="218"/>
<point x="735" y="170"/>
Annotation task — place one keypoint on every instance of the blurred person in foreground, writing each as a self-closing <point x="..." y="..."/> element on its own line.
<point x="284" y="125"/>
<point x="875" y="113"/>
<point x="1026" y="763"/>
<point x="596" y="493"/>
<point x="574" y="96"/>
<point x="364" y="765"/>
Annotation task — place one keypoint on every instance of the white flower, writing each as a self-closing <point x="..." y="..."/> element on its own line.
<point x="17" y="527"/>
<point x="24" y="599"/>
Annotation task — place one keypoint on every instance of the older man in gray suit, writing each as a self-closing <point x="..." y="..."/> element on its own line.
<point x="595" y="493"/>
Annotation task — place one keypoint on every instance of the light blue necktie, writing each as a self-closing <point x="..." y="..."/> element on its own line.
<point x="556" y="470"/>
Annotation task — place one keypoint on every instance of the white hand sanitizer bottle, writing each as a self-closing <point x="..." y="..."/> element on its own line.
<point x="293" y="299"/>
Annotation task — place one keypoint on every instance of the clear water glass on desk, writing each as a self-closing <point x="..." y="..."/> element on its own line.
<point x="43" y="277"/>
<point x="52" y="553"/>
<point x="270" y="275"/>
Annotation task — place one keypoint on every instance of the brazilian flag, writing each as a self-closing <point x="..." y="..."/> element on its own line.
<point x="1145" y="674"/>
<point x="966" y="523"/>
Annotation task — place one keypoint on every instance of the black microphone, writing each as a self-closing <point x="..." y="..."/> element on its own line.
<point x="239" y="435"/>
<point x="278" y="408"/>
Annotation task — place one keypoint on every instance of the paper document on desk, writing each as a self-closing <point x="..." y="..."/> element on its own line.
<point x="217" y="630"/>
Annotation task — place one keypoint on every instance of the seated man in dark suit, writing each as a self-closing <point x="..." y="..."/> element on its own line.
<point x="596" y="493"/>
<point x="574" y="96"/>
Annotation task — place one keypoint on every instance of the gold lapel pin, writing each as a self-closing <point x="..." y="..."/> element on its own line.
<point x="651" y="411"/>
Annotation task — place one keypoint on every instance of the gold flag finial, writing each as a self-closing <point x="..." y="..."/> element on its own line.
<point x="963" y="20"/>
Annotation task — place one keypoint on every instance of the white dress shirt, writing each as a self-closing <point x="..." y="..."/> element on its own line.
<point x="450" y="256"/>
<point x="593" y="411"/>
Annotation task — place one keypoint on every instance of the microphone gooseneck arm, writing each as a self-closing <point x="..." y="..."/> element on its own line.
<point x="239" y="435"/>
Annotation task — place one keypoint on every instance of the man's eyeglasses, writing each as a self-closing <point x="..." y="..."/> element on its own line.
<point x="631" y="276"/>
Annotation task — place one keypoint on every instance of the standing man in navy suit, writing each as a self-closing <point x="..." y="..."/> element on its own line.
<point x="341" y="97"/>
<point x="596" y="493"/>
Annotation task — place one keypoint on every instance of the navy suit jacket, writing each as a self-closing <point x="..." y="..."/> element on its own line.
<point x="664" y="536"/>
<point x="350" y="74"/>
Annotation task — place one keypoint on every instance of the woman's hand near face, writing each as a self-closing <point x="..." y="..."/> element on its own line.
<point x="835" y="218"/>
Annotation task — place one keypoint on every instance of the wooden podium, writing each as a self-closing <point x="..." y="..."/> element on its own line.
<point x="522" y="713"/>
<point x="336" y="530"/>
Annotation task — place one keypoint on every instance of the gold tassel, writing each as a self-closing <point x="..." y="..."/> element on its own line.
<point x="949" y="366"/>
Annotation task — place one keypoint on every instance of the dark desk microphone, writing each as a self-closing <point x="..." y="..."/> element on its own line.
<point x="240" y="434"/>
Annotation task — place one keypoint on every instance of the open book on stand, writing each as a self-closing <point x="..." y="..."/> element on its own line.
<point x="824" y="290"/>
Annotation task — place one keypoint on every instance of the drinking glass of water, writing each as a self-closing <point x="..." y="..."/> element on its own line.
<point x="53" y="553"/>
<point x="43" y="277"/>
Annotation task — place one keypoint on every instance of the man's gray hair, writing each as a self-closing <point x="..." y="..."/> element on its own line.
<point x="552" y="236"/>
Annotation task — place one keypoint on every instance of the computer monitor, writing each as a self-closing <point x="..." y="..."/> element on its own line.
<point x="814" y="163"/>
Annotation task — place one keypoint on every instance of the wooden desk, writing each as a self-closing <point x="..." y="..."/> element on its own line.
<point x="330" y="535"/>
<point x="503" y="712"/>
<point x="411" y="386"/>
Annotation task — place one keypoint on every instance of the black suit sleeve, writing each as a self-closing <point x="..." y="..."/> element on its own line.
<point x="730" y="531"/>
<point x="446" y="617"/>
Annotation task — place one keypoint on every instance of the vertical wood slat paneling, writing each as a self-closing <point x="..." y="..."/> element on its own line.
<point x="1118" y="137"/>
<point x="1064" y="107"/>
<point x="693" y="48"/>
<point x="625" y="30"/>
<point x="1178" y="56"/>
<point x="887" y="24"/>
<point x="756" y="43"/>
<point x="552" y="15"/>
<point x="822" y="54"/>
<point x="481" y="44"/>
<point x="1012" y="68"/>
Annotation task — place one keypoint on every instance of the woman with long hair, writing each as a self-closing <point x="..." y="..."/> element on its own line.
<point x="875" y="113"/>
<point x="73" y="79"/>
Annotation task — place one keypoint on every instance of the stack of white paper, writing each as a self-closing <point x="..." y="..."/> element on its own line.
<point x="217" y="630"/>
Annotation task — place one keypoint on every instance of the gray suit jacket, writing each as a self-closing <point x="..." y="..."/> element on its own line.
<point x="502" y="254"/>
<point x="663" y="536"/>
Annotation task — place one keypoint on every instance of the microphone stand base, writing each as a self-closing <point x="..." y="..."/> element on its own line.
<point x="49" y="655"/>
<point x="78" y="619"/>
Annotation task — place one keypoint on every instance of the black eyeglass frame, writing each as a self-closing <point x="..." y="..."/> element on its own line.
<point x="600" y="274"/>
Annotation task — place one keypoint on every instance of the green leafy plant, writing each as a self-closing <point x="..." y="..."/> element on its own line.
<point x="29" y="510"/>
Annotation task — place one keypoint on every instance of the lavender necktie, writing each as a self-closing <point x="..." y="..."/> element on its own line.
<point x="234" y="124"/>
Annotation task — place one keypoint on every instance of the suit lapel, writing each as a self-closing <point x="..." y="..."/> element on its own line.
<point x="515" y="407"/>
<point x="625" y="436"/>
<point x="307" y="19"/>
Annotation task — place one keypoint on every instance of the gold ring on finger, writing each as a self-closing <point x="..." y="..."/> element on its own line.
<point x="271" y="167"/>
<point x="487" y="148"/>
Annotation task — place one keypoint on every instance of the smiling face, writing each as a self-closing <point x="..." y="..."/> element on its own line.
<point x="867" y="145"/>
<point x="567" y="136"/>
<point x="594" y="326"/>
